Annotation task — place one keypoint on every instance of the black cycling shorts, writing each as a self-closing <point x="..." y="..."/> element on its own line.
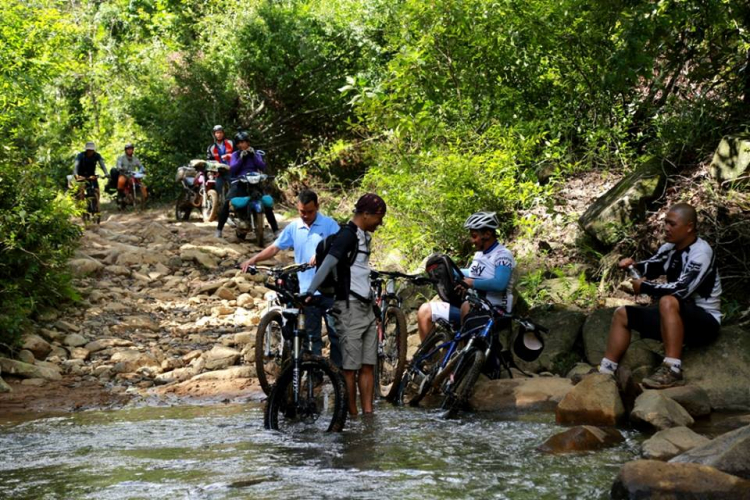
<point x="700" y="327"/>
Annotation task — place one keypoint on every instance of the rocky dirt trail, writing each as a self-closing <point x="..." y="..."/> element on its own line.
<point x="165" y="316"/>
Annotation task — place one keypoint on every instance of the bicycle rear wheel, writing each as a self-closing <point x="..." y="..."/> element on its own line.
<point x="392" y="360"/>
<point x="270" y="352"/>
<point x="417" y="380"/>
<point x="461" y="384"/>
<point x="322" y="403"/>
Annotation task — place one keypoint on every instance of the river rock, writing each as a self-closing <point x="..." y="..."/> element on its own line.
<point x="582" y="438"/>
<point x="105" y="343"/>
<point x="729" y="452"/>
<point x="669" y="443"/>
<point x="79" y="353"/>
<point x="564" y="329"/>
<point x="244" y="338"/>
<point x="595" y="400"/>
<point x="655" y="410"/>
<point x="722" y="368"/>
<point x="37" y="345"/>
<point x="691" y="397"/>
<point x="26" y="356"/>
<point x="221" y="357"/>
<point x="139" y="257"/>
<point x="225" y="293"/>
<point x="67" y="326"/>
<point x="85" y="267"/>
<point x="231" y="373"/>
<point x="25" y="370"/>
<point x="204" y="259"/>
<point x="130" y="360"/>
<point x="595" y="334"/>
<point x="625" y="203"/>
<point x="4" y="387"/>
<point x="519" y="394"/>
<point x="245" y="299"/>
<point x="118" y="270"/>
<point x="644" y="479"/>
<point x="176" y="375"/>
<point x="75" y="340"/>
<point x="731" y="159"/>
<point x="35" y="382"/>
<point x="132" y="323"/>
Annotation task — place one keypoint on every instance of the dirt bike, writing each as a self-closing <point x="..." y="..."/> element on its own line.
<point x="89" y="194"/>
<point x="246" y="212"/>
<point x="132" y="194"/>
<point x="198" y="181"/>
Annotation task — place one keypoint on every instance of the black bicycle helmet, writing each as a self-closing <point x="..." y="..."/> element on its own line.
<point x="241" y="136"/>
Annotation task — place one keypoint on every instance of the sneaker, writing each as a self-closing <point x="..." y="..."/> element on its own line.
<point x="663" y="377"/>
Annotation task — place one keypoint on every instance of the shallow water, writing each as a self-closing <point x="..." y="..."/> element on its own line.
<point x="222" y="452"/>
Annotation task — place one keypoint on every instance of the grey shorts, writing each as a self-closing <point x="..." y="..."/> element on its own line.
<point x="358" y="334"/>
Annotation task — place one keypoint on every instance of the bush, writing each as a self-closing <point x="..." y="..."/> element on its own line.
<point x="37" y="236"/>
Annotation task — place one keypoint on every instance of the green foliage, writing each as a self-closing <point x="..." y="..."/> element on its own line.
<point x="37" y="236"/>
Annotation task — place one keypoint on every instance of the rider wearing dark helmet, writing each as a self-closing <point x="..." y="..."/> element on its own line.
<point x="243" y="161"/>
<point x="491" y="273"/>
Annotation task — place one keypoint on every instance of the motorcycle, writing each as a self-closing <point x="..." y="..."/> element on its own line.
<point x="133" y="193"/>
<point x="198" y="181"/>
<point x="246" y="212"/>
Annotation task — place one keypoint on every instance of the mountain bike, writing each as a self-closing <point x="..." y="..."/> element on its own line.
<point x="450" y="362"/>
<point x="392" y="333"/>
<point x="309" y="393"/>
<point x="271" y="348"/>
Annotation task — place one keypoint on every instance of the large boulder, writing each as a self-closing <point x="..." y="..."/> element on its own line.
<point x="655" y="410"/>
<point x="221" y="357"/>
<point x="25" y="370"/>
<point x="731" y="159"/>
<point x="624" y="203"/>
<point x="4" y="387"/>
<point x="519" y="394"/>
<point x="722" y="368"/>
<point x="669" y="443"/>
<point x="231" y="373"/>
<point x="729" y="452"/>
<point x="641" y="352"/>
<point x="644" y="479"/>
<point x="582" y="438"/>
<point x="595" y="400"/>
<point x="691" y="397"/>
<point x="564" y="329"/>
<point x="39" y="347"/>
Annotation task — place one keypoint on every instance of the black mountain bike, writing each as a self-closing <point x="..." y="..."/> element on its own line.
<point x="89" y="194"/>
<point x="392" y="334"/>
<point x="309" y="393"/>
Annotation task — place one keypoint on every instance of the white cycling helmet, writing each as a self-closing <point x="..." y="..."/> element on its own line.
<point x="482" y="220"/>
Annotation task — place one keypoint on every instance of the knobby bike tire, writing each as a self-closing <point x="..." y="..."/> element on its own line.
<point x="392" y="361"/>
<point x="279" y="413"/>
<point x="465" y="377"/>
<point x="182" y="208"/>
<point x="211" y="211"/>
<point x="266" y="375"/>
<point x="258" y="220"/>
<point x="412" y="382"/>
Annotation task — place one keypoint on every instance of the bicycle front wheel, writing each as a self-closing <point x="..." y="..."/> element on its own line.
<point x="320" y="404"/>
<point x="417" y="381"/>
<point x="392" y="357"/>
<point x="270" y="352"/>
<point x="461" y="383"/>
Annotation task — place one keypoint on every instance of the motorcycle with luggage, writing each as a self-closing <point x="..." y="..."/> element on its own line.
<point x="198" y="182"/>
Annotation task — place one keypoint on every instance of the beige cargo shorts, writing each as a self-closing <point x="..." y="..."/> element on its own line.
<point x="358" y="334"/>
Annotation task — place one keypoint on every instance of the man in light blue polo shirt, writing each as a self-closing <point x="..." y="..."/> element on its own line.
<point x="303" y="235"/>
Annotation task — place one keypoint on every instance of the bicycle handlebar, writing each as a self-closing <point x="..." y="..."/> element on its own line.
<point x="415" y="278"/>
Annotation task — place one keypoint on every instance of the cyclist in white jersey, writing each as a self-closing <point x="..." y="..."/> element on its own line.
<point x="490" y="272"/>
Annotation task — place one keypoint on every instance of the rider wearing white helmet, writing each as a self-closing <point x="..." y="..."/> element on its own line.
<point x="491" y="273"/>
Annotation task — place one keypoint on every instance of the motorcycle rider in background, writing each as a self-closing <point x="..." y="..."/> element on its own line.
<point x="85" y="167"/>
<point x="220" y="150"/>
<point x="129" y="164"/>
<point x="243" y="161"/>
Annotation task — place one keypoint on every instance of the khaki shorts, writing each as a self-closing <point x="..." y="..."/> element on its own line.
<point x="358" y="334"/>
